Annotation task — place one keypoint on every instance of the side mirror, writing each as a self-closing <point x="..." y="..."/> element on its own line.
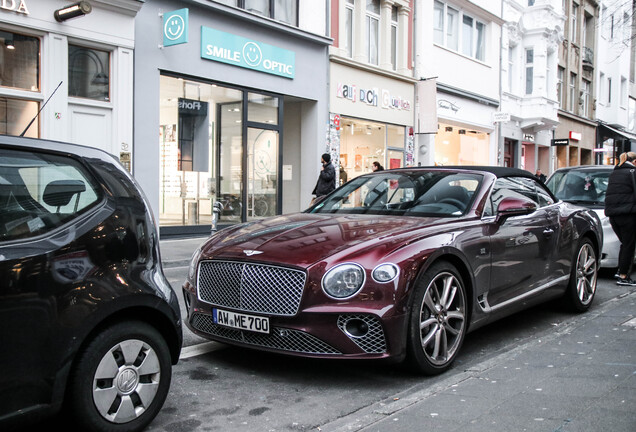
<point x="514" y="207"/>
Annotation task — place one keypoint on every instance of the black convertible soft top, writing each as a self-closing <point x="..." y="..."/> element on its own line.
<point x="496" y="170"/>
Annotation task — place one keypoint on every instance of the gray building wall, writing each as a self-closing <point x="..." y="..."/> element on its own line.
<point x="304" y="133"/>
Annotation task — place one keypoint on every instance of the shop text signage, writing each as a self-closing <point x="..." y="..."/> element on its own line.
<point x="239" y="51"/>
<point x="17" y="6"/>
<point x="560" y="142"/>
<point x="372" y="97"/>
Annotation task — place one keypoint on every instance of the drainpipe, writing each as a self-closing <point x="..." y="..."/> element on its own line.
<point x="498" y="125"/>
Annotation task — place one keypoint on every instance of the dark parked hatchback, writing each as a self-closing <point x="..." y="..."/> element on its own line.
<point x="88" y="321"/>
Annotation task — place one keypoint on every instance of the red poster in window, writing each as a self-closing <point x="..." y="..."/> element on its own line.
<point x="395" y="163"/>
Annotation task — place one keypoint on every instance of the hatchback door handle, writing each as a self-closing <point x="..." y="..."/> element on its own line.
<point x="548" y="232"/>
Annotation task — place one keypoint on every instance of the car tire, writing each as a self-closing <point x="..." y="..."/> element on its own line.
<point x="438" y="319"/>
<point x="583" y="277"/>
<point x="120" y="379"/>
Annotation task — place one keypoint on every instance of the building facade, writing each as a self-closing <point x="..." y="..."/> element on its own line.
<point x="230" y="106"/>
<point x="530" y="49"/>
<point x="615" y="109"/>
<point x="576" y="131"/>
<point x="371" y="91"/>
<point x="76" y="66"/>
<point x="457" y="58"/>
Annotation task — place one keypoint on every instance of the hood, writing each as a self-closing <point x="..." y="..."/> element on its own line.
<point x="302" y="239"/>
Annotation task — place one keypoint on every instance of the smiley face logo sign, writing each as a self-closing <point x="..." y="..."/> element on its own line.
<point x="252" y="54"/>
<point x="175" y="27"/>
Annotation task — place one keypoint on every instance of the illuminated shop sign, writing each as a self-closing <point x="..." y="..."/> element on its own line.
<point x="17" y="6"/>
<point x="372" y="97"/>
<point x="239" y="51"/>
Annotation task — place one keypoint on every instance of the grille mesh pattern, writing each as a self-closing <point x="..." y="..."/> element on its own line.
<point x="373" y="341"/>
<point x="251" y="287"/>
<point x="281" y="339"/>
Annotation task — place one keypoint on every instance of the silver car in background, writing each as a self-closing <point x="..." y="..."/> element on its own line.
<point x="586" y="186"/>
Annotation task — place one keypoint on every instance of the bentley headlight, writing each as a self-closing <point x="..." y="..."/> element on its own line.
<point x="385" y="272"/>
<point x="194" y="261"/>
<point x="343" y="281"/>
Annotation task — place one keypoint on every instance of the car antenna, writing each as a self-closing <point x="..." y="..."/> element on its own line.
<point x="41" y="108"/>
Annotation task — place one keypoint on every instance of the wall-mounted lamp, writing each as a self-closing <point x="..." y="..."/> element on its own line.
<point x="9" y="44"/>
<point x="73" y="11"/>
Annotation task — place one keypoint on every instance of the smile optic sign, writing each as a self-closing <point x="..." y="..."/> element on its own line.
<point x="175" y="27"/>
<point x="239" y="51"/>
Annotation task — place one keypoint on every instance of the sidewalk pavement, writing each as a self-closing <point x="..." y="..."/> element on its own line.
<point x="579" y="377"/>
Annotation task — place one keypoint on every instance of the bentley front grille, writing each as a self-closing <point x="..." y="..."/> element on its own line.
<point x="251" y="287"/>
<point x="279" y="338"/>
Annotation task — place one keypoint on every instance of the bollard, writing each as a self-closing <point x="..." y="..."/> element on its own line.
<point x="216" y="214"/>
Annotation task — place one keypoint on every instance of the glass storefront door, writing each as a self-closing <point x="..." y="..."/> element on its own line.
<point x="262" y="176"/>
<point x="213" y="150"/>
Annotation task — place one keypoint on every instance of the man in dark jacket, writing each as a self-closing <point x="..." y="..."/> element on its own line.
<point x="620" y="207"/>
<point x="327" y="179"/>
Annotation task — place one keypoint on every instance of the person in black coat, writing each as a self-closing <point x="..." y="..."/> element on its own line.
<point x="327" y="179"/>
<point x="620" y="207"/>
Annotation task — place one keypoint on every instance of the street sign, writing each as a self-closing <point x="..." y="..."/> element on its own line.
<point x="499" y="117"/>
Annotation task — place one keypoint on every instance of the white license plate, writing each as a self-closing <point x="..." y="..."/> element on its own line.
<point x="241" y="321"/>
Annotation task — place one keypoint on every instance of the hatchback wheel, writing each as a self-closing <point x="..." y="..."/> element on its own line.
<point x="437" y="322"/>
<point x="121" y="379"/>
<point x="583" y="276"/>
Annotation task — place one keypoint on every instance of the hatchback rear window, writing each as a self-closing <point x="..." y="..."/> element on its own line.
<point x="40" y="192"/>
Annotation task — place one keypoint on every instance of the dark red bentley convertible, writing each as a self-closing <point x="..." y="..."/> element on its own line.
<point x="396" y="264"/>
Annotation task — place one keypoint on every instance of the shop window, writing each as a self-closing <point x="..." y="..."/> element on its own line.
<point x="16" y="114"/>
<point x="88" y="73"/>
<point x="19" y="61"/>
<point x="262" y="108"/>
<point x="461" y="146"/>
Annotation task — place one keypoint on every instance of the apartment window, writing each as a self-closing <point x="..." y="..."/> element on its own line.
<point x="394" y="36"/>
<point x="88" y="73"/>
<point x="452" y="28"/>
<point x="626" y="27"/>
<point x="574" y="23"/>
<point x="611" y="27"/>
<point x="601" y="88"/>
<point x="530" y="2"/>
<point x="447" y="31"/>
<point x="281" y="10"/>
<point x="560" y="83"/>
<point x="572" y="93"/>
<point x="623" y="95"/>
<point x="372" y="30"/>
<point x="631" y="115"/>
<point x="609" y="91"/>
<point x="529" y="70"/>
<point x="438" y="23"/>
<point x="586" y="97"/>
<point x="511" y="68"/>
<point x="349" y="28"/>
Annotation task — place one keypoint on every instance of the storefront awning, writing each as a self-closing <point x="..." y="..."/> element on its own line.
<point x="613" y="132"/>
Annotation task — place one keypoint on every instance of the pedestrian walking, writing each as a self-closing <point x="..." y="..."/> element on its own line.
<point x="377" y="166"/>
<point x="326" y="179"/>
<point x="620" y="207"/>
<point x="541" y="176"/>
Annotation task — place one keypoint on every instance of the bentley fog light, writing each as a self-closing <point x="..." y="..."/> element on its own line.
<point x="343" y="281"/>
<point x="385" y="272"/>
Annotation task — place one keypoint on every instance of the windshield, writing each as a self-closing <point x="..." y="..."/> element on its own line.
<point x="417" y="193"/>
<point x="585" y="187"/>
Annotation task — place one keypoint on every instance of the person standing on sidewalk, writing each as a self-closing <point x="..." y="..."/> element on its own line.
<point x="327" y="179"/>
<point x="620" y="207"/>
